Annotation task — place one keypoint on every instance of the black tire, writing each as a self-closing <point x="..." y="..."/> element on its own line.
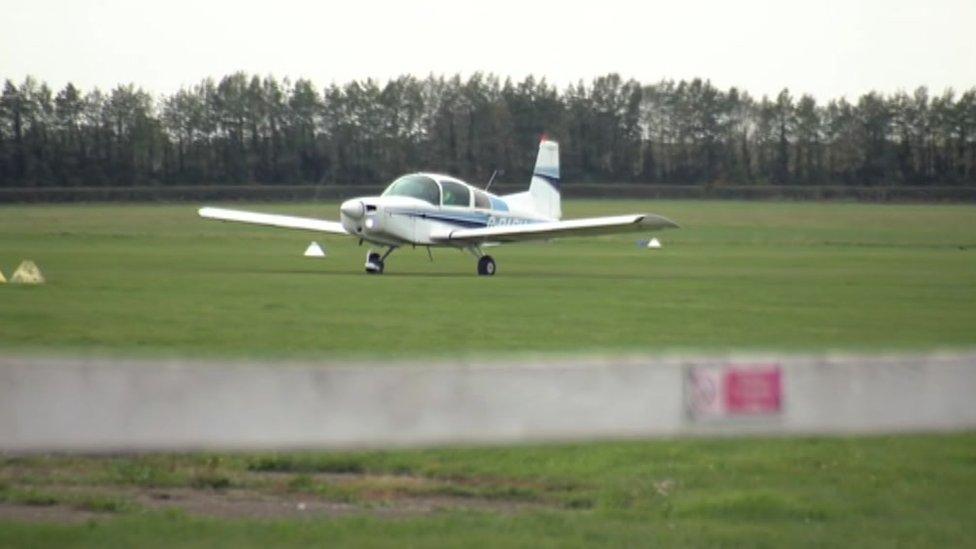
<point x="486" y="266"/>
<point x="374" y="258"/>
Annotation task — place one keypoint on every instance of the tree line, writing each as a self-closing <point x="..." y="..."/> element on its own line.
<point x="245" y="129"/>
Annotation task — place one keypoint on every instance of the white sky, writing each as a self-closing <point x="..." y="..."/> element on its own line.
<point x="828" y="48"/>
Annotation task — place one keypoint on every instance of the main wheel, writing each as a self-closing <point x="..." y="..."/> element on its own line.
<point x="486" y="266"/>
<point x="374" y="265"/>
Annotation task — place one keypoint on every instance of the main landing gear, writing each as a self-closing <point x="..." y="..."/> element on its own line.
<point x="374" y="261"/>
<point x="486" y="265"/>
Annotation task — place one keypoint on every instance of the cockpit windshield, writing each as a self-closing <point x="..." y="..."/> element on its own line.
<point x="415" y="186"/>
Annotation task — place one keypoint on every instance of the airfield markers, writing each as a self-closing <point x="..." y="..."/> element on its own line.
<point x="2" y="279"/>
<point x="314" y="250"/>
<point x="653" y="244"/>
<point x="27" y="273"/>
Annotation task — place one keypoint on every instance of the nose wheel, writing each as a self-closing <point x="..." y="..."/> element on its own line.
<point x="486" y="265"/>
<point x="374" y="265"/>
<point x="374" y="261"/>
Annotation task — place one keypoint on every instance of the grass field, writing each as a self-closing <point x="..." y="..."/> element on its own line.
<point x="883" y="492"/>
<point x="151" y="280"/>
<point x="737" y="275"/>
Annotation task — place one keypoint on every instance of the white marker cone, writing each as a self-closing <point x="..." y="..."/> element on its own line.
<point x="27" y="273"/>
<point x="654" y="243"/>
<point x="314" y="250"/>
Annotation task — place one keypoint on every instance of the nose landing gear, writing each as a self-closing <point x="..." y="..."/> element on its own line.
<point x="374" y="265"/>
<point x="374" y="262"/>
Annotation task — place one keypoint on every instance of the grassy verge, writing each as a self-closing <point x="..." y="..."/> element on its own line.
<point x="881" y="491"/>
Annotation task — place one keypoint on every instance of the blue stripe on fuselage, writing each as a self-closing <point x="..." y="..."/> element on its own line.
<point x="464" y="220"/>
<point x="468" y="220"/>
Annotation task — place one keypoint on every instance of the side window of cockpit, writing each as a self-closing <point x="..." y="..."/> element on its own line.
<point x="481" y="200"/>
<point x="455" y="194"/>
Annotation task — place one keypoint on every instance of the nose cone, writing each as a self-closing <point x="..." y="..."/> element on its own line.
<point x="353" y="208"/>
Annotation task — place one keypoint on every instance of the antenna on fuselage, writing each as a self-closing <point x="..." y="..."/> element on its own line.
<point x="493" y="174"/>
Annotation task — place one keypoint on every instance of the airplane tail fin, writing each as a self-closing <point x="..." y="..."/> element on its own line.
<point x="544" y="188"/>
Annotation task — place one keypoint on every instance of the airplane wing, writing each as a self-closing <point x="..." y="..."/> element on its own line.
<point x="588" y="226"/>
<point x="272" y="220"/>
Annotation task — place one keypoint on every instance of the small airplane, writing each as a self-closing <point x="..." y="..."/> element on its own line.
<point x="435" y="210"/>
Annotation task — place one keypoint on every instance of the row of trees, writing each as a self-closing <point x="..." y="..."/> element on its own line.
<point x="247" y="129"/>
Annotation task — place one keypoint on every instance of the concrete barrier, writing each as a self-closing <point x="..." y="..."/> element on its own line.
<point x="129" y="405"/>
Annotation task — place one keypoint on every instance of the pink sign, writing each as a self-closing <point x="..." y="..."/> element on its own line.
<point x="734" y="390"/>
<point x="753" y="390"/>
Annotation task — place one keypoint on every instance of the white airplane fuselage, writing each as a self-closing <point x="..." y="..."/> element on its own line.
<point x="404" y="220"/>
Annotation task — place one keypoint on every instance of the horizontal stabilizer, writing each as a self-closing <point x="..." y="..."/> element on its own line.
<point x="273" y="220"/>
<point x="556" y="229"/>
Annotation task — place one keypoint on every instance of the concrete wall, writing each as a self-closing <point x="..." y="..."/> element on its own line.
<point x="109" y="405"/>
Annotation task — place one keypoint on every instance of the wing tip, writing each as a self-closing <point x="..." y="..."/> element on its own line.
<point x="658" y="221"/>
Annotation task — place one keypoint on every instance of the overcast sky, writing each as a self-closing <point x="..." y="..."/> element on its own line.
<point x="828" y="48"/>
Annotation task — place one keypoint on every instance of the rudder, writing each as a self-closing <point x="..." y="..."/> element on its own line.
<point x="544" y="188"/>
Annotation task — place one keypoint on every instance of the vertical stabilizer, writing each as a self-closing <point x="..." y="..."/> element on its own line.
<point x="544" y="188"/>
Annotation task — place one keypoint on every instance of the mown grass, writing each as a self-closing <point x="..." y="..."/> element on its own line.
<point x="737" y="275"/>
<point x="877" y="491"/>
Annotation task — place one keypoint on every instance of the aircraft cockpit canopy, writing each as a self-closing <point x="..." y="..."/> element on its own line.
<point x="439" y="191"/>
<point x="415" y="186"/>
